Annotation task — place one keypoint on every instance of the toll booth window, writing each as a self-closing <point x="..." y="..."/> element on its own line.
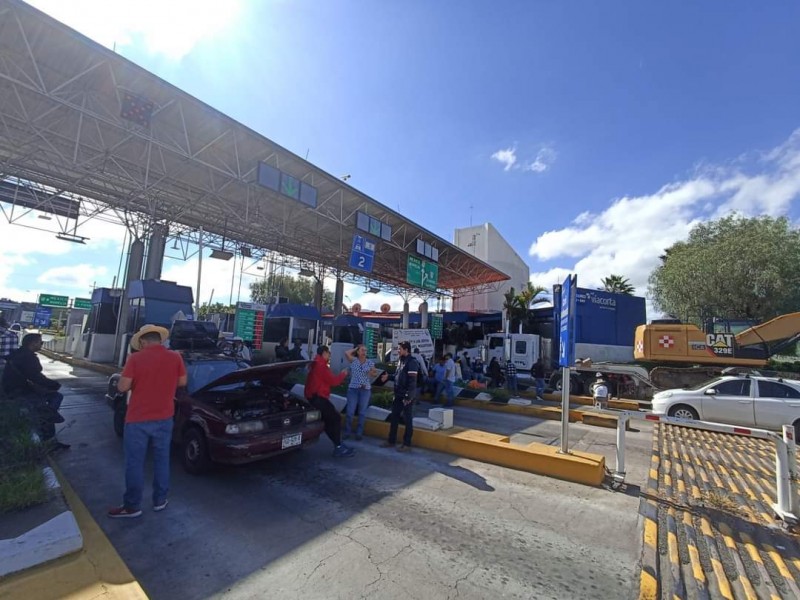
<point x="521" y="347"/>
<point x="276" y="328"/>
<point x="495" y="342"/>
<point x="302" y="327"/>
<point x="771" y="389"/>
<point x="734" y="388"/>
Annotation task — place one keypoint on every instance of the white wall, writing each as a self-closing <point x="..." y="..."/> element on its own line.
<point x="486" y="243"/>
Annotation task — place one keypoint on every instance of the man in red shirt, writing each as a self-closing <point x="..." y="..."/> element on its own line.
<point x="151" y="375"/>
<point x="319" y="382"/>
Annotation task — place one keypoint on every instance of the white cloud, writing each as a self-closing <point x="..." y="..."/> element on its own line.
<point x="79" y="278"/>
<point x="545" y="158"/>
<point x="172" y="28"/>
<point x="628" y="237"/>
<point x="507" y="157"/>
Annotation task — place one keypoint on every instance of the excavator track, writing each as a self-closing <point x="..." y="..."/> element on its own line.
<point x="667" y="378"/>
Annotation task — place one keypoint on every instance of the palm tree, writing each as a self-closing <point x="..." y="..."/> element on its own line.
<point x="617" y="284"/>
<point x="528" y="296"/>
<point x="512" y="306"/>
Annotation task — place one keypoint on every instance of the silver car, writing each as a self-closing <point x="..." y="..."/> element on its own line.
<point x="752" y="401"/>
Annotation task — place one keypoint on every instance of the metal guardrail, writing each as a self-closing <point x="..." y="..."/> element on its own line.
<point x="787" y="506"/>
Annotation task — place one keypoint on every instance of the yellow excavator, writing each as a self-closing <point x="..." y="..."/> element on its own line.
<point x="671" y="354"/>
<point x="694" y="355"/>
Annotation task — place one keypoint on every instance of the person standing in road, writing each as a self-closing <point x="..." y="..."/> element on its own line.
<point x="319" y="382"/>
<point x="422" y="379"/>
<point x="537" y="372"/>
<point x="23" y="379"/>
<point x="152" y="375"/>
<point x="600" y="392"/>
<point x="511" y="376"/>
<point x="240" y="350"/>
<point x="362" y="372"/>
<point x="405" y="392"/>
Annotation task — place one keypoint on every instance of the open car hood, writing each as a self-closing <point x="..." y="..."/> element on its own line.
<point x="271" y="374"/>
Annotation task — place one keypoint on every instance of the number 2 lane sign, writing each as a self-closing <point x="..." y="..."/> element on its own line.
<point x="363" y="253"/>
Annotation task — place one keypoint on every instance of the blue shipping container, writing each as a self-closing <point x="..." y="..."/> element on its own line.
<point x="606" y="318"/>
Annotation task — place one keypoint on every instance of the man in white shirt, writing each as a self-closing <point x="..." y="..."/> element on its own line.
<point x="600" y="392"/>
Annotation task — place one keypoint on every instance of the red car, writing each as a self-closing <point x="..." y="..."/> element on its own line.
<point x="233" y="415"/>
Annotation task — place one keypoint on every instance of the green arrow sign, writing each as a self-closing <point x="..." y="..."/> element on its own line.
<point x="82" y="303"/>
<point x="430" y="275"/>
<point x="53" y="300"/>
<point x="414" y="271"/>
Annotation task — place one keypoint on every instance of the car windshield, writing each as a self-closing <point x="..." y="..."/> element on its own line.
<point x="203" y="372"/>
<point x="700" y="386"/>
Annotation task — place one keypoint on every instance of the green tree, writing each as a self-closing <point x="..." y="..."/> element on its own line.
<point x="298" y="290"/>
<point x="617" y="284"/>
<point x="530" y="295"/>
<point x="514" y="308"/>
<point x="217" y="307"/>
<point x="734" y="267"/>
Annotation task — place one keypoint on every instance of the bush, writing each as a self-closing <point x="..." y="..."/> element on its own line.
<point x="21" y="478"/>
<point x="382" y="399"/>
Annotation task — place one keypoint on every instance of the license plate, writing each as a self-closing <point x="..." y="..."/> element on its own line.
<point x="294" y="439"/>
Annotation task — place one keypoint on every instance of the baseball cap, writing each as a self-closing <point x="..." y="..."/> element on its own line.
<point x="598" y="374"/>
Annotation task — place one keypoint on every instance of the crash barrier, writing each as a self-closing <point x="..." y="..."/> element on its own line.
<point x="787" y="506"/>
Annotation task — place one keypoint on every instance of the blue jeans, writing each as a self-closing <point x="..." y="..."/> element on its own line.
<point x="447" y="387"/>
<point x="539" y="385"/>
<point x="356" y="397"/>
<point x="138" y="436"/>
<point x="511" y="383"/>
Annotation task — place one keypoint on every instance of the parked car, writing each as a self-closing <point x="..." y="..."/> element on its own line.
<point x="229" y="413"/>
<point x="753" y="401"/>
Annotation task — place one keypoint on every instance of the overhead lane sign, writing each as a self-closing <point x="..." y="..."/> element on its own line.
<point x="421" y="273"/>
<point x="362" y="256"/>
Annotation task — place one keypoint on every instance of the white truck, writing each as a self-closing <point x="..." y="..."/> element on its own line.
<point x="524" y="349"/>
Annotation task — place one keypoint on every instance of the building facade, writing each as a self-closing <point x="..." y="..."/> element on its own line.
<point x="485" y="243"/>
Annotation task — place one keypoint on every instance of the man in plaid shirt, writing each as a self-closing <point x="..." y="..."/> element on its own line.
<point x="8" y="341"/>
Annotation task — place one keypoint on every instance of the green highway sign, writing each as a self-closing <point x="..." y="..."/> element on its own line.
<point x="414" y="271"/>
<point x="82" y="303"/>
<point x="435" y="326"/>
<point x="53" y="300"/>
<point x="421" y="273"/>
<point x="430" y="275"/>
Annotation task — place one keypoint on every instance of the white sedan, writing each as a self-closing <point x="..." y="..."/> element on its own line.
<point x="764" y="402"/>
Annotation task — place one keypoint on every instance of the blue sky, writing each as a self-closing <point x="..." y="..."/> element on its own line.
<point x="592" y="135"/>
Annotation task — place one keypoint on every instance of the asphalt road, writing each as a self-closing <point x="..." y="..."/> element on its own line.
<point x="379" y="525"/>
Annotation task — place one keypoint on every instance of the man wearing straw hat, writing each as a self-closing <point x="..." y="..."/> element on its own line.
<point x="152" y="375"/>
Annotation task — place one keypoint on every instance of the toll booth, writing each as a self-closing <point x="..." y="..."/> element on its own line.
<point x="97" y="341"/>
<point x="290" y="321"/>
<point x="156" y="302"/>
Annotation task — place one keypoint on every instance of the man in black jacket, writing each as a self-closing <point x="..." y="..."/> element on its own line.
<point x="405" y="391"/>
<point x="23" y="379"/>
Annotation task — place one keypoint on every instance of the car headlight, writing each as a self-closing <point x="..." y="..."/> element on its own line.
<point x="245" y="427"/>
<point x="662" y="395"/>
<point x="313" y="415"/>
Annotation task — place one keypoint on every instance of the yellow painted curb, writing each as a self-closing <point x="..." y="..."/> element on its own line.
<point x="95" y="572"/>
<point x="579" y="467"/>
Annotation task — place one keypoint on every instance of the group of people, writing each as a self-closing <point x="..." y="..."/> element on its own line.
<point x="283" y="353"/>
<point x="362" y="372"/>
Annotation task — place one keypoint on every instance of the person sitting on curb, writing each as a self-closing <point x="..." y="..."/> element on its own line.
<point x="319" y="382"/>
<point x="23" y="379"/>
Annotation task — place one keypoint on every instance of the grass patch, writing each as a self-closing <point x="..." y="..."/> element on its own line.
<point x="21" y="478"/>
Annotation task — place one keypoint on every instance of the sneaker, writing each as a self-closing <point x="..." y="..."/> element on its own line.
<point x="404" y="448"/>
<point x="123" y="512"/>
<point x="388" y="445"/>
<point x="160" y="507"/>
<point x="343" y="451"/>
